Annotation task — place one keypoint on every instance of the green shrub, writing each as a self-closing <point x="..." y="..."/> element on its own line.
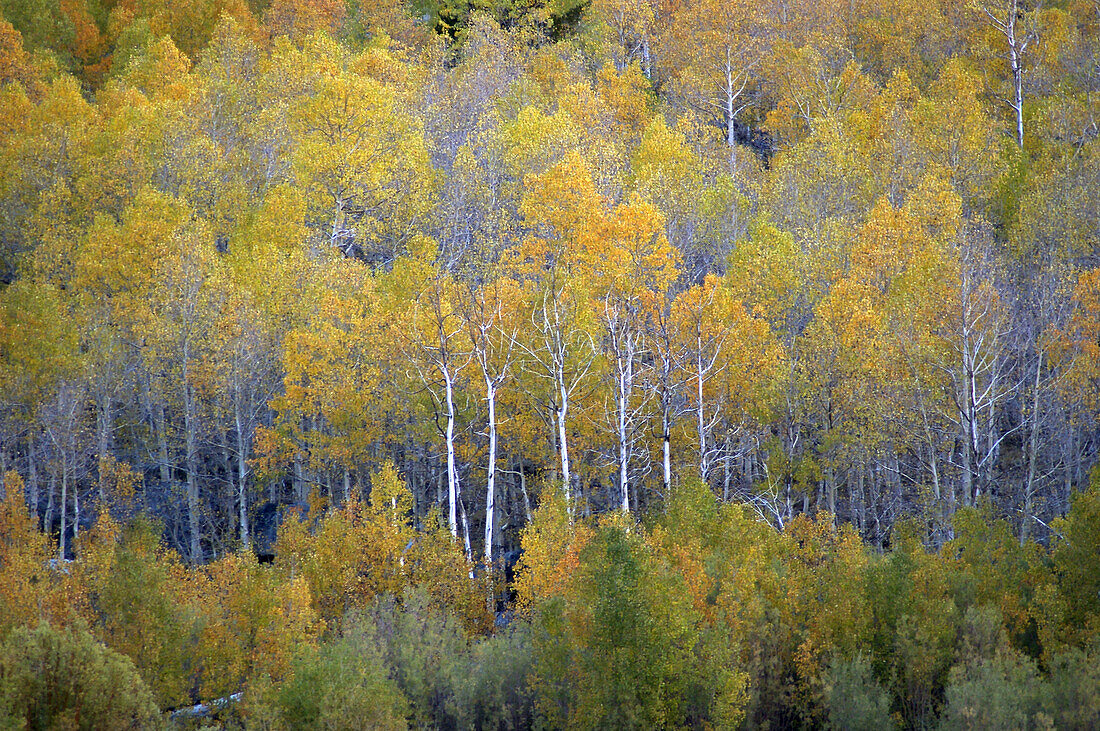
<point x="854" y="698"/>
<point x="1004" y="692"/>
<point x="1072" y="697"/>
<point x="65" y="679"/>
<point x="343" y="685"/>
<point x="425" y="646"/>
<point x="493" y="691"/>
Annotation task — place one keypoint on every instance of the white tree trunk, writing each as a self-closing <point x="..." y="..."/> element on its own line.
<point x="563" y="444"/>
<point x="700" y="414"/>
<point x="491" y="476"/>
<point x="625" y="375"/>
<point x="452" y="469"/>
<point x="242" y="476"/>
<point x="64" y="500"/>
<point x="666" y="451"/>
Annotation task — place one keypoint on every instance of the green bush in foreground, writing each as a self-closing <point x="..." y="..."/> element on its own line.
<point x="342" y="685"/>
<point x="65" y="679"/>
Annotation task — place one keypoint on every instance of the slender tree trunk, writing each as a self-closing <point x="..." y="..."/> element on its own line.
<point x="191" y="445"/>
<point x="465" y="532"/>
<point x="624" y="388"/>
<point x="242" y="476"/>
<point x="731" y="97"/>
<point x="726" y="471"/>
<point x="862" y="502"/>
<point x="47" y="522"/>
<point x="103" y="438"/>
<point x="666" y="450"/>
<point x="76" y="514"/>
<point x="452" y="470"/>
<point x="563" y="444"/>
<point x="700" y="416"/>
<point x="967" y="419"/>
<point x="491" y="472"/>
<point x="1032" y="454"/>
<point x="1016" y="64"/>
<point x="64" y="501"/>
<point x="162" y="443"/>
<point x="32" y="474"/>
<point x="523" y="491"/>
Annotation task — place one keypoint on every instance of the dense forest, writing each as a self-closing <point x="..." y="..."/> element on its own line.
<point x="577" y="363"/>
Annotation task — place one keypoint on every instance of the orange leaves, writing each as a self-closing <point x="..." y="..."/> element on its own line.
<point x="15" y="64"/>
<point x="25" y="574"/>
<point x="634" y="255"/>
<point x="735" y="353"/>
<point x="255" y="620"/>
<point x="623" y="250"/>
<point x="551" y="553"/>
<point x="301" y="18"/>
<point x="1078" y="346"/>
<point x="563" y="199"/>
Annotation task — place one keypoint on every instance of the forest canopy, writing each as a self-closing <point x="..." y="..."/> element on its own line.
<point x="740" y="359"/>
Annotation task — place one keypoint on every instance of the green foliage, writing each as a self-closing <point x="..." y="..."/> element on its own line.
<point x="915" y="626"/>
<point x="342" y="685"/>
<point x="617" y="650"/>
<point x="449" y="678"/>
<point x="55" y="679"/>
<point x="139" y="613"/>
<point x="247" y="246"/>
<point x="494" y="689"/>
<point x="43" y="24"/>
<point x="992" y="568"/>
<point x="1077" y="561"/>
<point x="1072" y="694"/>
<point x="854" y="697"/>
<point x="1001" y="692"/>
<point x="425" y="644"/>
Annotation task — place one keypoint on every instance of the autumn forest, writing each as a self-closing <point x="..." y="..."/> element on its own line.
<point x="549" y="363"/>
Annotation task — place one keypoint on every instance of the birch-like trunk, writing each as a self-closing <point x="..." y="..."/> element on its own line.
<point x="624" y="366"/>
<point x="452" y="470"/>
<point x="700" y="414"/>
<point x="491" y="472"/>
<point x="666" y="450"/>
<point x="32" y="475"/>
<point x="563" y="444"/>
<point x="191" y="445"/>
<point x="242" y="476"/>
<point x="64" y="501"/>
<point x="103" y="437"/>
<point x="1032" y="455"/>
<point x="161" y="424"/>
<point x="47" y="521"/>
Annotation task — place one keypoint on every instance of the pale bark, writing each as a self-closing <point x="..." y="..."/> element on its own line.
<point x="190" y="427"/>
<point x="491" y="472"/>
<point x="625" y="386"/>
<point x="32" y="475"/>
<point x="452" y="469"/>
<point x="242" y="475"/>
<point x="1007" y="20"/>
<point x="161" y="426"/>
<point x="64" y="503"/>
<point x="1032" y="454"/>
<point x="103" y="437"/>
